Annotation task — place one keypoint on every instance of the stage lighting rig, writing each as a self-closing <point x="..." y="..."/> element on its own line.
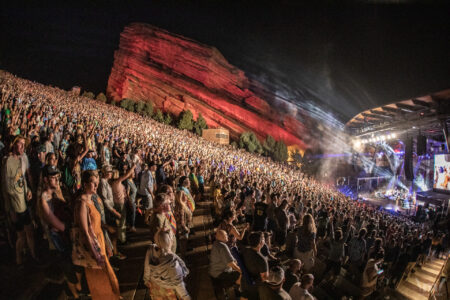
<point x="358" y="141"/>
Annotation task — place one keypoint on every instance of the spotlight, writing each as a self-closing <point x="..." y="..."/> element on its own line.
<point x="357" y="143"/>
<point x="394" y="135"/>
<point x="382" y="137"/>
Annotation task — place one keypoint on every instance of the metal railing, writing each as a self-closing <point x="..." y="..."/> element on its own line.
<point x="435" y="286"/>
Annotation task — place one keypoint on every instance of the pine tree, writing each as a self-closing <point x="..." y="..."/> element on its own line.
<point x="200" y="124"/>
<point x="249" y="141"/>
<point x="186" y="121"/>
<point x="125" y="103"/>
<point x="159" y="116"/>
<point x="269" y="145"/>
<point x="168" y="119"/>
<point x="140" y="105"/>
<point x="148" y="109"/>
<point x="280" y="152"/>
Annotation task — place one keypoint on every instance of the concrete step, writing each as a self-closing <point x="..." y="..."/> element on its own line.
<point x="199" y="284"/>
<point x="202" y="212"/>
<point x="418" y="284"/>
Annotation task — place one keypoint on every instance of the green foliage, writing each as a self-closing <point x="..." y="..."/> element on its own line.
<point x="89" y="95"/>
<point x="280" y="152"/>
<point x="249" y="141"/>
<point x="128" y="104"/>
<point x="159" y="116"/>
<point x="101" y="97"/>
<point x="168" y="119"/>
<point x="140" y="105"/>
<point x="185" y="121"/>
<point x="269" y="145"/>
<point x="200" y="124"/>
<point x="124" y="103"/>
<point x="148" y="109"/>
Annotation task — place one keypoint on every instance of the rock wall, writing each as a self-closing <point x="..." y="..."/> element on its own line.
<point x="177" y="73"/>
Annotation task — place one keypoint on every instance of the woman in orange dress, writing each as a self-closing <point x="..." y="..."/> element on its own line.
<point x="101" y="279"/>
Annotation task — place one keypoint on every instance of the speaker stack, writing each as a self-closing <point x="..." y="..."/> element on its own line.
<point x="409" y="171"/>
<point x="421" y="145"/>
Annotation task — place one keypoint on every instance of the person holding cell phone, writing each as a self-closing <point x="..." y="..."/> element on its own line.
<point x="371" y="273"/>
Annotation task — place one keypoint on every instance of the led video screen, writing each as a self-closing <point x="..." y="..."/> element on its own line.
<point x="442" y="172"/>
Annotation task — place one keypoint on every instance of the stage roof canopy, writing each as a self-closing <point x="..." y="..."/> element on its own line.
<point x="426" y="113"/>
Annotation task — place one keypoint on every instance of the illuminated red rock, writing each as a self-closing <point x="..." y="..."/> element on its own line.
<point x="177" y="73"/>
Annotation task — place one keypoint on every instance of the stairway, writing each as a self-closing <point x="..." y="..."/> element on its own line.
<point x="198" y="282"/>
<point x="418" y="285"/>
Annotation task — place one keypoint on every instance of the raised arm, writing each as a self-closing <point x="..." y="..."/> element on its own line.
<point x="239" y="236"/>
<point x="86" y="149"/>
<point x="127" y="175"/>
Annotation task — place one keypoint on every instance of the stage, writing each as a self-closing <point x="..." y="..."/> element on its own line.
<point x="402" y="206"/>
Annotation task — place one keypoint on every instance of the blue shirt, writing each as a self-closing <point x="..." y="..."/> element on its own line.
<point x="88" y="164"/>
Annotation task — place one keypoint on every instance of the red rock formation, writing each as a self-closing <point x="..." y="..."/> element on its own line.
<point x="177" y="73"/>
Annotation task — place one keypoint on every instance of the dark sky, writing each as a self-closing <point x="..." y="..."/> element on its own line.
<point x="347" y="57"/>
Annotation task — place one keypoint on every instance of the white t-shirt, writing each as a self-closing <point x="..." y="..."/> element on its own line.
<point x="15" y="183"/>
<point x="298" y="293"/>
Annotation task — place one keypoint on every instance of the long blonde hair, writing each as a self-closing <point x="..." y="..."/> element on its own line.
<point x="309" y="224"/>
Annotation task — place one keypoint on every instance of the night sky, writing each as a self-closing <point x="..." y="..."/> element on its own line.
<point x="346" y="58"/>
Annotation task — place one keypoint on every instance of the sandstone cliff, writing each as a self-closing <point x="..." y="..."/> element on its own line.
<point x="177" y="73"/>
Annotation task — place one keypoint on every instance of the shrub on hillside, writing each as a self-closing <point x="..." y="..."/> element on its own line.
<point x="140" y="105"/>
<point x="280" y="152"/>
<point x="185" y="121"/>
<point x="168" y="119"/>
<point x="200" y="124"/>
<point x="249" y="141"/>
<point x="269" y="145"/>
<point x="124" y="103"/>
<point x="148" y="109"/>
<point x="159" y="116"/>
<point x="128" y="104"/>
<point x="89" y="95"/>
<point x="101" y="97"/>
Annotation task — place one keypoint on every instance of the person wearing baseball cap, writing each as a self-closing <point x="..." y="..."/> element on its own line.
<point x="55" y="217"/>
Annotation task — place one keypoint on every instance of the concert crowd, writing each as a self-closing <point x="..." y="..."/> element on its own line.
<point x="77" y="173"/>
